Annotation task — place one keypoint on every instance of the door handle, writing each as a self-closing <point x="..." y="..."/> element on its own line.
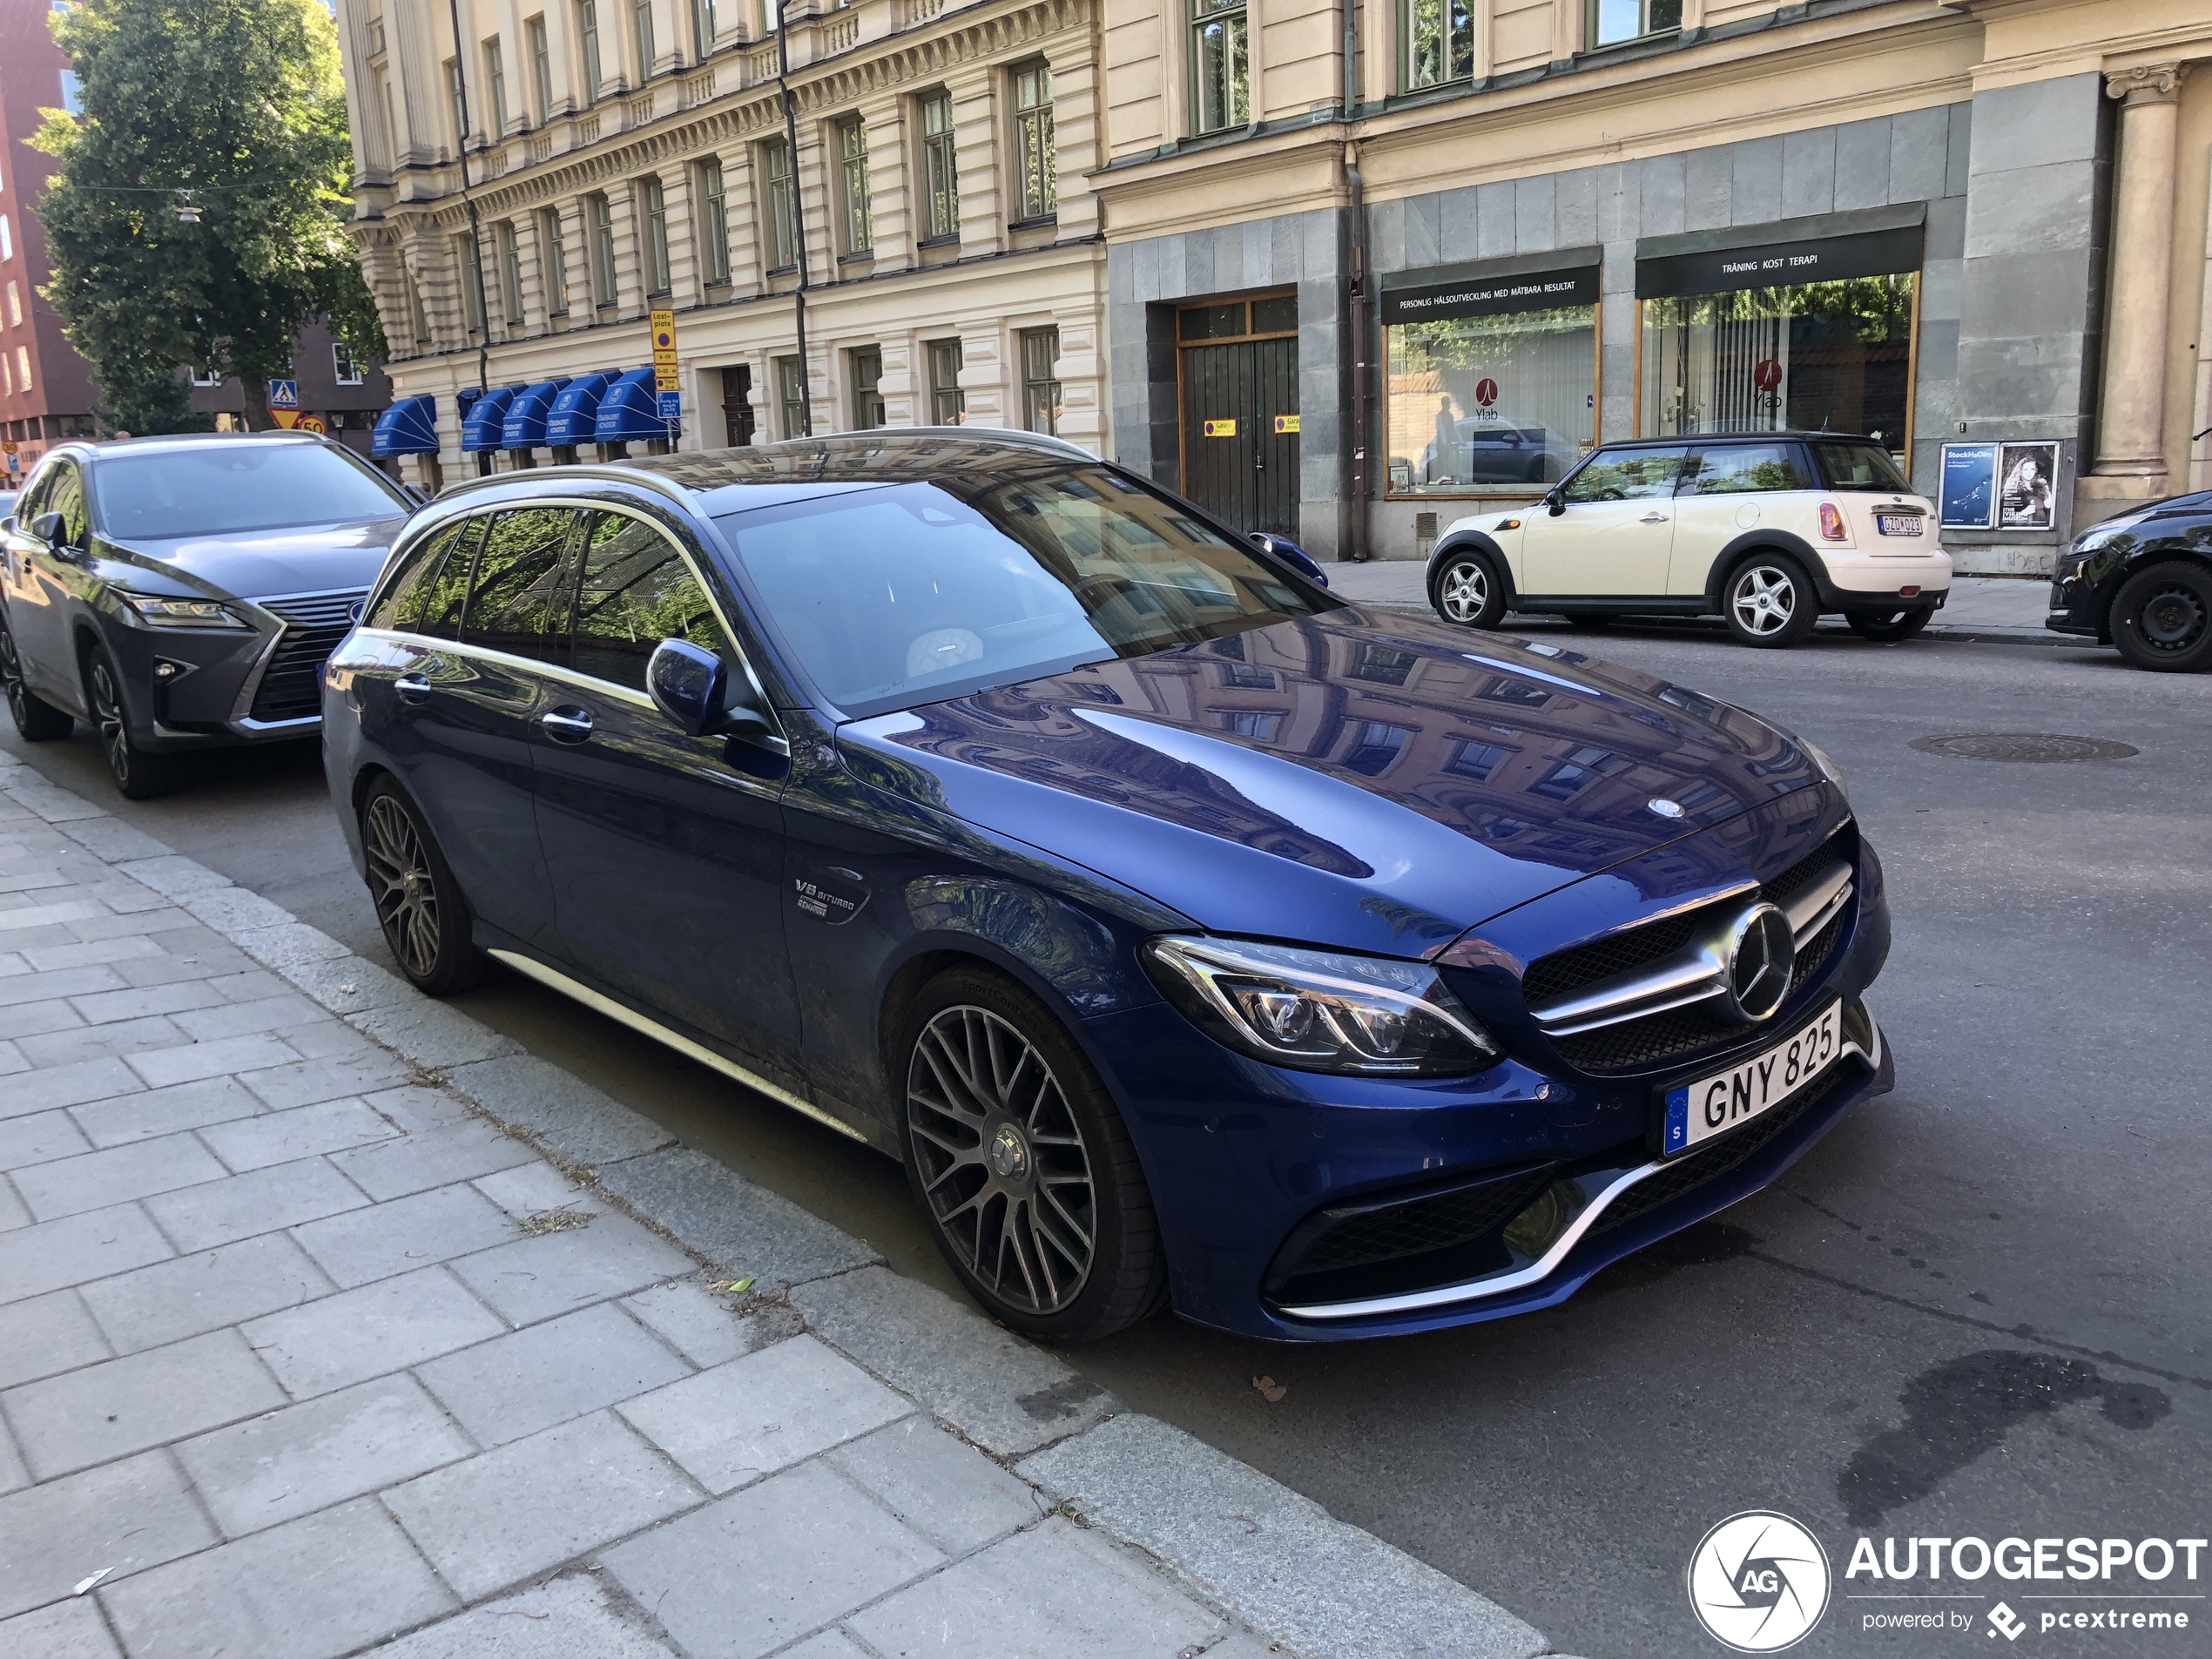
<point x="412" y="688"/>
<point x="567" y="724"/>
<point x="1653" y="518"/>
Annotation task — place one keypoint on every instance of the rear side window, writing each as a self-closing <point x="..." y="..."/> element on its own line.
<point x="1748" y="469"/>
<point x="636" y="591"/>
<point x="426" y="595"/>
<point x="517" y="592"/>
<point x="420" y="561"/>
<point x="1860" y="466"/>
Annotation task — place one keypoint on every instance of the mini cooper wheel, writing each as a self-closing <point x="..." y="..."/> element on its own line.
<point x="418" y="903"/>
<point x="1769" y="601"/>
<point x="1467" y="590"/>
<point x="138" y="774"/>
<point x="1887" y="627"/>
<point x="38" y="720"/>
<point x="2162" y="619"/>
<point x="1022" y="1166"/>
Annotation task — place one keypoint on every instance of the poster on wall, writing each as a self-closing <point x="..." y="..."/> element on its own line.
<point x="2027" y="496"/>
<point x="1968" y="498"/>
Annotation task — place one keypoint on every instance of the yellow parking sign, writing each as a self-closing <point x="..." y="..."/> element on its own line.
<point x="1220" y="428"/>
<point x="664" y="324"/>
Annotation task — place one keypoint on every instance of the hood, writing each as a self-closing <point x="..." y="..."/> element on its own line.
<point x="296" y="559"/>
<point x="1361" y="778"/>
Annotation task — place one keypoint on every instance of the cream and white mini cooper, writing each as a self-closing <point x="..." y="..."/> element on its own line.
<point x="1770" y="531"/>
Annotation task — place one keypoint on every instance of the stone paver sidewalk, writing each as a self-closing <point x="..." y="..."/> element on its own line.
<point x="298" y="1352"/>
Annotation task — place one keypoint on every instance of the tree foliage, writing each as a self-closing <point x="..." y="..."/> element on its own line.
<point x="239" y="104"/>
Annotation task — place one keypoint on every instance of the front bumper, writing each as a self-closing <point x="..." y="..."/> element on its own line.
<point x="194" y="688"/>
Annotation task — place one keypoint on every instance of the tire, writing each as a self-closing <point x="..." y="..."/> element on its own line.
<point x="38" y="720"/>
<point x="138" y="774"/>
<point x="1005" y="1125"/>
<point x="2161" y="618"/>
<point x="1468" y="590"/>
<point x="419" y="904"/>
<point x="1887" y="627"/>
<point x="1769" y="602"/>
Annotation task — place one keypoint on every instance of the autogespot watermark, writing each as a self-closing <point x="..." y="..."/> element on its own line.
<point x="1760" y="1581"/>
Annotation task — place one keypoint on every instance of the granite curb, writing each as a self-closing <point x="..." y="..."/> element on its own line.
<point x="1314" y="1585"/>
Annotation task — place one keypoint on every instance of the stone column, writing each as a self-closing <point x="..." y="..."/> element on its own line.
<point x="2130" y="423"/>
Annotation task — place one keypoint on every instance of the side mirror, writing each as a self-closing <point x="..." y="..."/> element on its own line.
<point x="693" y="687"/>
<point x="1555" y="503"/>
<point x="48" y="528"/>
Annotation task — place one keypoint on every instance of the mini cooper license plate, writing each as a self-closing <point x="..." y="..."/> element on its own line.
<point x="1705" y="1106"/>
<point x="1897" y="524"/>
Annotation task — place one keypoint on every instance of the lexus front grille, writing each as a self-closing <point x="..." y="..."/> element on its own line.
<point x="291" y="685"/>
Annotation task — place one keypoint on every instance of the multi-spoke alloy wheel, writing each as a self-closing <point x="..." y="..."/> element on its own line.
<point x="138" y="774"/>
<point x="1003" y="1164"/>
<point x="1469" y="593"/>
<point x="1770" y="603"/>
<point x="38" y="720"/>
<point x="425" y="921"/>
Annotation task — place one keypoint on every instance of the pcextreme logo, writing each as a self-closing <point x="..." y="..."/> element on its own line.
<point x="1759" y="1581"/>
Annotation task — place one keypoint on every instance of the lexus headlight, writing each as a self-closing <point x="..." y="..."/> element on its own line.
<point x="1314" y="1010"/>
<point x="157" y="612"/>
<point x="1819" y="756"/>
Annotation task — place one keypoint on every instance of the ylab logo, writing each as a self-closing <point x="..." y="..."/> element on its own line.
<point x="1759" y="1581"/>
<point x="2008" y="1623"/>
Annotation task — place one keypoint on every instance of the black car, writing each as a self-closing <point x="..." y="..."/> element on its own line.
<point x="2143" y="582"/>
<point x="183" y="593"/>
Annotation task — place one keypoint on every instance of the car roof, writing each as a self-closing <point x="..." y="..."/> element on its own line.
<point x="93" y="449"/>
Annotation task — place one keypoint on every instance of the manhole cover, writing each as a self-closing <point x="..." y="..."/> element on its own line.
<point x="2023" y="745"/>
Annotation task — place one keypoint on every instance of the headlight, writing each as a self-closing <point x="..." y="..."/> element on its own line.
<point x="1314" y="1010"/>
<point x="2097" y="535"/>
<point x="1829" y="769"/>
<point x="181" y="613"/>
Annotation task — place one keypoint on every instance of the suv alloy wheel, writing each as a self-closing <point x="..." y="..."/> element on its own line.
<point x="1769" y="601"/>
<point x="1469" y="592"/>
<point x="418" y="901"/>
<point x="138" y="774"/>
<point x="38" y="720"/>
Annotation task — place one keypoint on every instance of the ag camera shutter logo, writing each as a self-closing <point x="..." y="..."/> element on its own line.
<point x="1759" y="1581"/>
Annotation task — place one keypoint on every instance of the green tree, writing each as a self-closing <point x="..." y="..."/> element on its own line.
<point x="230" y="109"/>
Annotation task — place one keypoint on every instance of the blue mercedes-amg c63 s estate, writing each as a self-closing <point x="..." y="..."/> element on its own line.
<point x="1193" y="937"/>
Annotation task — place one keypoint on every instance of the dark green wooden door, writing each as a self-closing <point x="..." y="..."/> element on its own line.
<point x="1234" y="461"/>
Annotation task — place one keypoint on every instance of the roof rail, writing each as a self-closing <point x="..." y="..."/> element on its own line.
<point x="611" y="472"/>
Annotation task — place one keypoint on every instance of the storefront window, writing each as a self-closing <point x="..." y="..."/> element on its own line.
<point x="1817" y="357"/>
<point x="1499" y="402"/>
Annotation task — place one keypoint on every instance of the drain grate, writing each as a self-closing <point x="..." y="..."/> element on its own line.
<point x="2023" y="745"/>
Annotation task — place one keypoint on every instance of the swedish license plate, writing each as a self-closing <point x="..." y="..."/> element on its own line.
<point x="1897" y="524"/>
<point x="1698" y="1110"/>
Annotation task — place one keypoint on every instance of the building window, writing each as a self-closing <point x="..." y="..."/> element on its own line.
<point x="1034" y="152"/>
<point x="702" y="26"/>
<point x="553" y="259"/>
<point x="472" y="282"/>
<point x="790" y="393"/>
<point x="947" y="403"/>
<point x="781" y="232"/>
<point x="541" y="68"/>
<point x="653" y="205"/>
<point x="456" y="105"/>
<point x="587" y="34"/>
<point x="602" y="214"/>
<point x="1440" y="43"/>
<point x="867" y="377"/>
<point x="1502" y="398"/>
<point x="345" y="367"/>
<point x="72" y="96"/>
<point x="939" y="170"/>
<point x="214" y="376"/>
<point x="23" y="368"/>
<point x="714" y="224"/>
<point x="1040" y="391"/>
<point x="496" y="79"/>
<point x="511" y="272"/>
<point x="15" y="305"/>
<point x="852" y="185"/>
<point x="1820" y="355"/>
<point x="1220" y="66"/>
<point x="1612" y="20"/>
<point x="641" y="25"/>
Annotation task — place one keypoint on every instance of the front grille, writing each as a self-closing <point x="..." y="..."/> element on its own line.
<point x="1724" y="1158"/>
<point x="291" y="686"/>
<point x="1377" y="1248"/>
<point x="1661" y="1039"/>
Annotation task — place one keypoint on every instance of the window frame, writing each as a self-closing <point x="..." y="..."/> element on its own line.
<point x="1647" y="28"/>
<point x="341" y="359"/>
<point x="945" y="396"/>
<point x="641" y="38"/>
<point x="593" y="63"/>
<point x="866" y="392"/>
<point x="553" y="261"/>
<point x="541" y="51"/>
<point x="791" y="403"/>
<point x="472" y="292"/>
<point x="507" y="248"/>
<point x="712" y="186"/>
<point x="653" y="212"/>
<point x="940" y="170"/>
<point x="1235" y="16"/>
<point x="778" y="204"/>
<point x="496" y="85"/>
<point x="855" y="200"/>
<point x="606" y="273"/>
<point x="704" y="28"/>
<point x="457" y="98"/>
<point x="1035" y="385"/>
<point x="1036" y="143"/>
<point x="1451" y="12"/>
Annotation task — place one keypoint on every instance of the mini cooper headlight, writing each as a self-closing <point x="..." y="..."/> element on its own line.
<point x="159" y="612"/>
<point x="1314" y="1010"/>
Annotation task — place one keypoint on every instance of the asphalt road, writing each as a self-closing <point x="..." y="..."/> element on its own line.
<point x="1978" y="1308"/>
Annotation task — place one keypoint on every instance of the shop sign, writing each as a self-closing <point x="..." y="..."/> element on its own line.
<point x="1220" y="428"/>
<point x="1781" y="264"/>
<point x="1285" y="424"/>
<point x="1418" y="297"/>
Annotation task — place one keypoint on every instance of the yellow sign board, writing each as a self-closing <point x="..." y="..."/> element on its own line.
<point x="6" y="445"/>
<point x="286" y="418"/>
<point x="1285" y="423"/>
<point x="312" y="424"/>
<point x="1220" y="428"/>
<point x="663" y="323"/>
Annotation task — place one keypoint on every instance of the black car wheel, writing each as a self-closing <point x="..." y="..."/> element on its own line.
<point x="1022" y="1166"/>
<point x="1769" y="602"/>
<point x="38" y="720"/>
<point x="1887" y="627"/>
<point x="2161" y="618"/>
<point x="139" y="773"/>
<point x="1468" y="591"/>
<point x="418" y="903"/>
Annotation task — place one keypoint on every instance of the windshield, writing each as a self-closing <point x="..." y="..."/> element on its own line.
<point x="224" y="487"/>
<point x="1861" y="466"/>
<point x="897" y="594"/>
